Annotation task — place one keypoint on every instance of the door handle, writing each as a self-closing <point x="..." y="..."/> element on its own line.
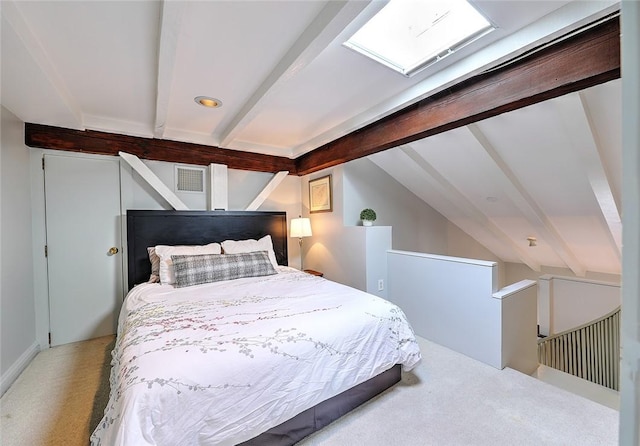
<point x="113" y="251"/>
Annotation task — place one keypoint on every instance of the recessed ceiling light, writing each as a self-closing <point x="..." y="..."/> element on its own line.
<point x="206" y="101"/>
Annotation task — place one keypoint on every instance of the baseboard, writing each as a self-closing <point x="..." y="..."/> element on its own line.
<point x="18" y="367"/>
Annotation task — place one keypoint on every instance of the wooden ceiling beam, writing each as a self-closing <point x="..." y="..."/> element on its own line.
<point x="586" y="59"/>
<point x="89" y="141"/>
<point x="581" y="61"/>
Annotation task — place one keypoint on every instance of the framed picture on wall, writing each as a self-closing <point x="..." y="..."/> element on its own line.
<point x="320" y="199"/>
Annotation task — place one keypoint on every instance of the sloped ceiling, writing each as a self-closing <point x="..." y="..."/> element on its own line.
<point x="288" y="86"/>
<point x="549" y="171"/>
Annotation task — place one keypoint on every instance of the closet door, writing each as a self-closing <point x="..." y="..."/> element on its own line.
<point x="84" y="246"/>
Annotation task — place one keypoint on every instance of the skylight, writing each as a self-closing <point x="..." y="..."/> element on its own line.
<point x="409" y="35"/>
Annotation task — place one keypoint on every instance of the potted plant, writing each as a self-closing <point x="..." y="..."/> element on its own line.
<point x="368" y="216"/>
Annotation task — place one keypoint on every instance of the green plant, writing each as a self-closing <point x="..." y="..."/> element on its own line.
<point x="368" y="214"/>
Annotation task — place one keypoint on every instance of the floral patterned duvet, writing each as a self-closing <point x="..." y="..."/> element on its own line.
<point x="220" y="363"/>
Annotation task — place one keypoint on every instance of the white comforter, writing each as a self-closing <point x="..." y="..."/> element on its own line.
<point x="220" y="363"/>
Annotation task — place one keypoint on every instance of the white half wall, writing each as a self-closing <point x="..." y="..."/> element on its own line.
<point x="18" y="317"/>
<point x="459" y="314"/>
<point x="455" y="302"/>
<point x="519" y="334"/>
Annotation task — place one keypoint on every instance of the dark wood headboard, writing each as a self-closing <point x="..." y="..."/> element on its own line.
<point x="151" y="228"/>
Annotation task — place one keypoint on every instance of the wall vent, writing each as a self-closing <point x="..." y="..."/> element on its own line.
<point x="189" y="179"/>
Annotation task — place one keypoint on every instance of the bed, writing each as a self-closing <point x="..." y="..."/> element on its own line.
<point x="258" y="359"/>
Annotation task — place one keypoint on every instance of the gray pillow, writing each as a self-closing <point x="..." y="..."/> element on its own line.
<point x="197" y="269"/>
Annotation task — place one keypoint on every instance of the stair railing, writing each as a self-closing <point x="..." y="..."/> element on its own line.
<point x="590" y="351"/>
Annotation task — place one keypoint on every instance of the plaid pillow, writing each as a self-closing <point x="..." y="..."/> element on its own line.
<point x="196" y="269"/>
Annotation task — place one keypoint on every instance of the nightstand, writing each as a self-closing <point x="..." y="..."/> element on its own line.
<point x="314" y="273"/>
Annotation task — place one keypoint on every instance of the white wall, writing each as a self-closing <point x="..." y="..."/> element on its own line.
<point x="243" y="187"/>
<point x="415" y="225"/>
<point x="378" y="242"/>
<point x="565" y="303"/>
<point x="286" y="197"/>
<point x="340" y="251"/>
<point x="17" y="316"/>
<point x="515" y="272"/>
<point x="329" y="250"/>
<point x="630" y="333"/>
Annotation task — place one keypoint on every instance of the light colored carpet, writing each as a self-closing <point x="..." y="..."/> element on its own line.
<point x="453" y="400"/>
<point x="60" y="397"/>
<point x="448" y="400"/>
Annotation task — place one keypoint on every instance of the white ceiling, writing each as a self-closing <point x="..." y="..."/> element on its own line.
<point x="288" y="86"/>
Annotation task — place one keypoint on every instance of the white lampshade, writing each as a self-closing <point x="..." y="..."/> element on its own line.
<point x="300" y="227"/>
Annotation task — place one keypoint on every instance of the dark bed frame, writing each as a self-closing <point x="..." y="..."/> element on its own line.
<point x="151" y="228"/>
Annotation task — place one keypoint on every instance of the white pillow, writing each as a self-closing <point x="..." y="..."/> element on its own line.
<point x="251" y="245"/>
<point x="167" y="274"/>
